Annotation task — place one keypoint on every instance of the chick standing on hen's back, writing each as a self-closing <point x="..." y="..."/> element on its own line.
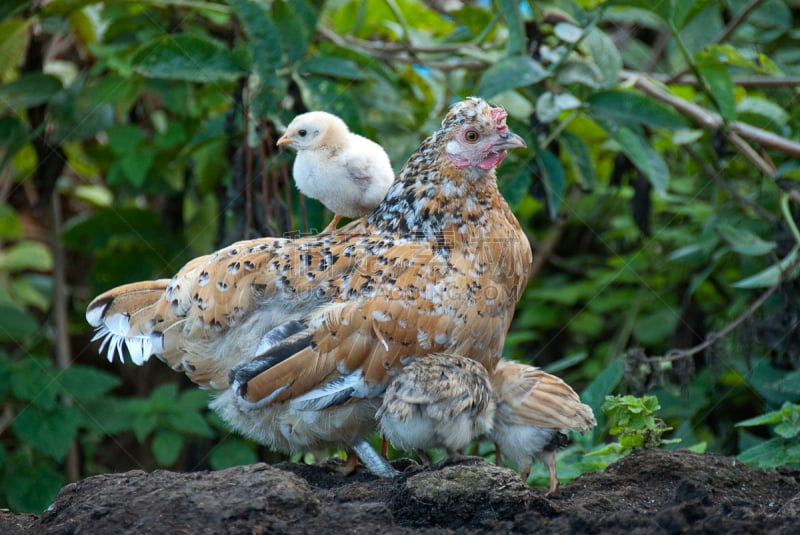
<point x="348" y="173"/>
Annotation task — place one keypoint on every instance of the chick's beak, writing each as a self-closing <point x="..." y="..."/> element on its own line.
<point x="509" y="140"/>
<point x="285" y="139"/>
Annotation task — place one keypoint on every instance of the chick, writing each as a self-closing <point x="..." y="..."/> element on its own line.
<point x="437" y="401"/>
<point x="348" y="173"/>
<point x="535" y="410"/>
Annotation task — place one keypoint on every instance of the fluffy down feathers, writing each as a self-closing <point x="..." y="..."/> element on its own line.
<point x="534" y="412"/>
<point x="348" y="173"/>
<point x="304" y="328"/>
<point x="438" y="401"/>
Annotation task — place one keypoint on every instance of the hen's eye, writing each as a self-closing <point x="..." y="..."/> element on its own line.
<point x="471" y="136"/>
<point x="302" y="132"/>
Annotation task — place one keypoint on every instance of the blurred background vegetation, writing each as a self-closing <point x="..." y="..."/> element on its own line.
<point x="659" y="192"/>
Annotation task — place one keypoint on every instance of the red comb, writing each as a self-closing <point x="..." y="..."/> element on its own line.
<point x="499" y="115"/>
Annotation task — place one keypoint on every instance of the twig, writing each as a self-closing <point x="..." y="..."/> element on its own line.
<point x="248" y="169"/>
<point x="750" y="153"/>
<point x="710" y="120"/>
<point x="61" y="315"/>
<point x="726" y="33"/>
<point x="717" y="177"/>
<point x="712" y="338"/>
<point x="738" y="20"/>
<point x="748" y="81"/>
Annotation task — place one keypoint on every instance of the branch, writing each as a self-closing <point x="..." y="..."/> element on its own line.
<point x="680" y="354"/>
<point x="717" y="177"/>
<point x="748" y="81"/>
<point x="738" y="20"/>
<point x="711" y="120"/>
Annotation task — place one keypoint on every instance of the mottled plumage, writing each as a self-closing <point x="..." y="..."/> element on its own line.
<point x="348" y="173"/>
<point x="535" y="411"/>
<point x="304" y="329"/>
<point x="438" y="401"/>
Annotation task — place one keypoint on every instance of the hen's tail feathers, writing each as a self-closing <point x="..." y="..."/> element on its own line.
<point x="123" y="318"/>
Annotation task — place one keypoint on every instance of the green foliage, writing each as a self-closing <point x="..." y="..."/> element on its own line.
<point x="655" y="219"/>
<point x="632" y="419"/>
<point x="783" y="448"/>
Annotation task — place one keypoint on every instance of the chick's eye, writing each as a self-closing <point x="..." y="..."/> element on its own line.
<point x="302" y="132"/>
<point x="471" y="136"/>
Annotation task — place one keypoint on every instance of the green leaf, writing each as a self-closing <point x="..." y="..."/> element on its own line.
<point x="10" y="226"/>
<point x="720" y="84"/>
<point x="605" y="54"/>
<point x="190" y="422"/>
<point x="769" y="276"/>
<point x="296" y="23"/>
<point x="627" y="107"/>
<point x="166" y="446"/>
<point x="568" y="33"/>
<point x="33" y="290"/>
<point x="744" y="242"/>
<point x="757" y="111"/>
<point x="660" y="9"/>
<point x="580" y="159"/>
<point x="30" y="485"/>
<point x="135" y="166"/>
<point x="550" y="106"/>
<point x="187" y="57"/>
<point x="509" y="73"/>
<point x="331" y="66"/>
<point x="643" y="157"/>
<point x="683" y="11"/>
<point x="232" y="452"/>
<point x="86" y="383"/>
<point x="28" y="91"/>
<point x="124" y="138"/>
<point x="26" y="255"/>
<point x="767" y="455"/>
<point x="17" y="323"/>
<point x="13" y="136"/>
<point x="9" y="8"/>
<point x="603" y="385"/>
<point x="144" y="422"/>
<point x="555" y="182"/>
<point x="49" y="431"/>
<point x="265" y="43"/>
<point x="510" y="10"/>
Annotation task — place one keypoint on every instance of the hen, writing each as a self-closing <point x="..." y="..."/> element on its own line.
<point x="347" y="173"/>
<point x="439" y="401"/>
<point x="300" y="335"/>
<point x="534" y="412"/>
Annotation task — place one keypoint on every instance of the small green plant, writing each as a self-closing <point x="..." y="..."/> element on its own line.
<point x="782" y="449"/>
<point x="633" y="420"/>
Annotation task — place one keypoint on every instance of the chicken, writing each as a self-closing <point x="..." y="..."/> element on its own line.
<point x="300" y="335"/>
<point x="347" y="173"/>
<point x="535" y="411"/>
<point x="437" y="401"/>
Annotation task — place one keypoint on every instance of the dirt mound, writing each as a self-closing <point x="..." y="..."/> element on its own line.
<point x="650" y="491"/>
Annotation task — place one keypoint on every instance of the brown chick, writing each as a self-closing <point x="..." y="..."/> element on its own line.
<point x="535" y="411"/>
<point x="348" y="173"/>
<point x="306" y="331"/>
<point x="438" y="401"/>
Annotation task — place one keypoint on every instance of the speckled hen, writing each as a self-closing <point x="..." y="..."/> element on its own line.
<point x="300" y="335"/>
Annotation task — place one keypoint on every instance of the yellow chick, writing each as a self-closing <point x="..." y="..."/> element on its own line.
<point x="348" y="173"/>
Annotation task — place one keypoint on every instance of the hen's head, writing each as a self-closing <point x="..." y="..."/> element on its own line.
<point x="313" y="130"/>
<point x="476" y="134"/>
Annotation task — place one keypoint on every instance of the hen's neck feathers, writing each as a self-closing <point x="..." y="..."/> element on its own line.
<point x="431" y="197"/>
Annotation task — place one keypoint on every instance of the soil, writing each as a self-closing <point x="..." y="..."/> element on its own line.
<point x="650" y="491"/>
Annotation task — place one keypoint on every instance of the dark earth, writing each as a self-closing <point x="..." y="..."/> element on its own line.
<point x="650" y="491"/>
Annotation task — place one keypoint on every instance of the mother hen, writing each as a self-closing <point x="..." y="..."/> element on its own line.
<point x="300" y="334"/>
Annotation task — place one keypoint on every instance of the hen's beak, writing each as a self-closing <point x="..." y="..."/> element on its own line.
<point x="509" y="140"/>
<point x="285" y="139"/>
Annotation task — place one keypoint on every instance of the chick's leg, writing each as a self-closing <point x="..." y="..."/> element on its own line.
<point x="332" y="225"/>
<point x="549" y="459"/>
